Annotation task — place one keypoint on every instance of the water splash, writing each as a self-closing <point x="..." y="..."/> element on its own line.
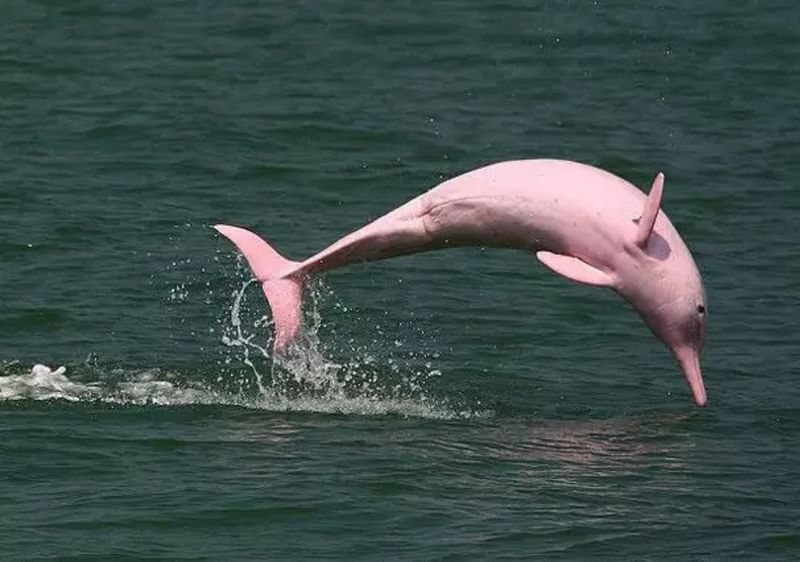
<point x="305" y="372"/>
<point x="394" y="380"/>
<point x="234" y="335"/>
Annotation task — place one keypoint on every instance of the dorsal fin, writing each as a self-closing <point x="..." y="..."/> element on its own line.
<point x="650" y="212"/>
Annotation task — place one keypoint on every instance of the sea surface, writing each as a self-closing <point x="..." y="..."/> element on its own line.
<point x="463" y="404"/>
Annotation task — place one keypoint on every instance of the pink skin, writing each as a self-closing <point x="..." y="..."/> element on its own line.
<point x="582" y="222"/>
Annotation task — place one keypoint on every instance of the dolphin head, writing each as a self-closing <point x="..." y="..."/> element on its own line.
<point x="666" y="289"/>
<point x="679" y="320"/>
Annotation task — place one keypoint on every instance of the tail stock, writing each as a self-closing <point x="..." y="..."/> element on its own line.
<point x="284" y="294"/>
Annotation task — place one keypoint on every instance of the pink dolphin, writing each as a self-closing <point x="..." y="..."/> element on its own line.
<point x="583" y="223"/>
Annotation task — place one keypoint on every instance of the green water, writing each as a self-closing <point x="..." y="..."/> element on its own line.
<point x="465" y="404"/>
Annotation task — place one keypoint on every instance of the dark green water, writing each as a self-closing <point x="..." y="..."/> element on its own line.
<point x="461" y="404"/>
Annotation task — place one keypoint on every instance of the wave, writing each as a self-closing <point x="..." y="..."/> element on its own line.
<point x="143" y="389"/>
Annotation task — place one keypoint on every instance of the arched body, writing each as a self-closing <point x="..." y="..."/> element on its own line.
<point x="582" y="222"/>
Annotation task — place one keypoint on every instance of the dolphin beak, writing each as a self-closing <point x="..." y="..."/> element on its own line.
<point x="689" y="360"/>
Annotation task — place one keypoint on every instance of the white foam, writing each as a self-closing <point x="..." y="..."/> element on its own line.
<point x="42" y="383"/>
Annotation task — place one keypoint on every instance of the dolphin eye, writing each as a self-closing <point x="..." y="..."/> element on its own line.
<point x="701" y="309"/>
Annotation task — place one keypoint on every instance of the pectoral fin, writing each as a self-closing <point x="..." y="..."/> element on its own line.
<point x="575" y="269"/>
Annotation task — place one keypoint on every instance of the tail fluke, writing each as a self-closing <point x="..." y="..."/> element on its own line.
<point x="284" y="294"/>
